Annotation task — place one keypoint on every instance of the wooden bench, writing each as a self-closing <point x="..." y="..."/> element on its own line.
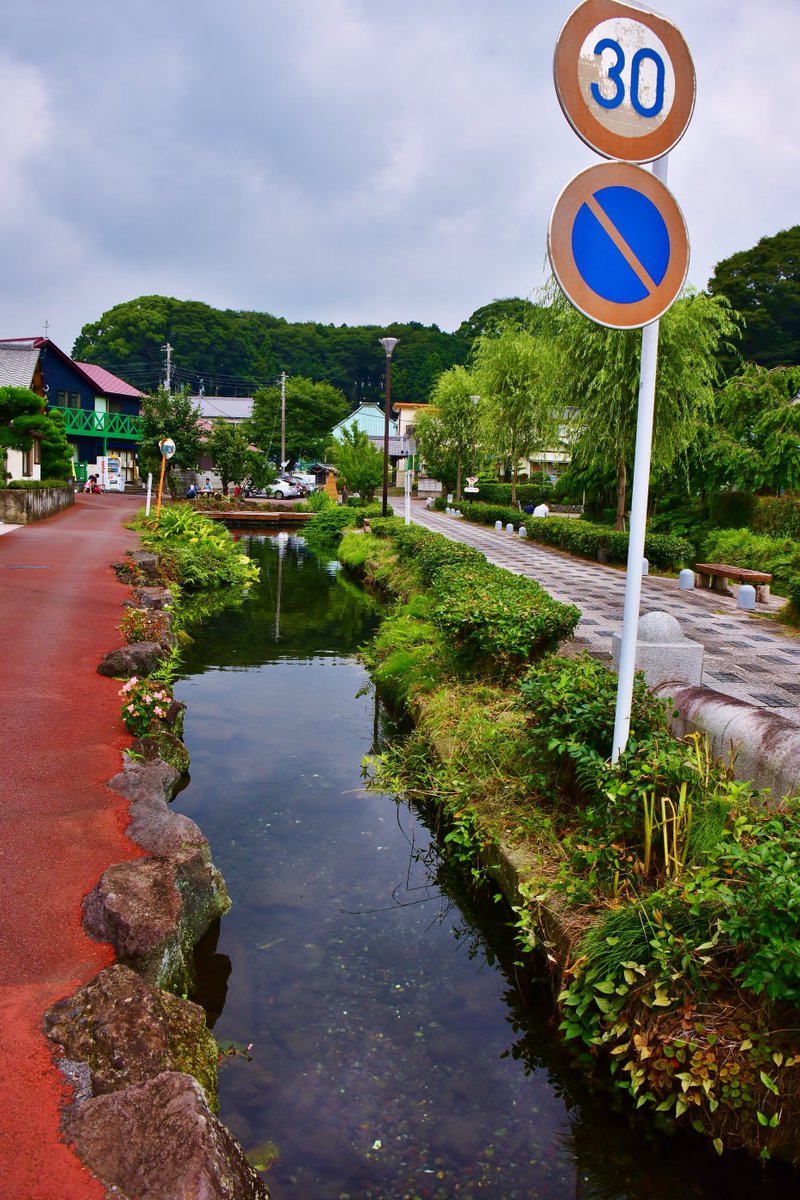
<point x="718" y="575"/>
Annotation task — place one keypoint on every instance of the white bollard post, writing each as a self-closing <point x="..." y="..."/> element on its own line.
<point x="149" y="494"/>
<point x="746" y="599"/>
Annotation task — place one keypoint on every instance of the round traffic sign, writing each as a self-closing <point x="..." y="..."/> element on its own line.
<point x="618" y="245"/>
<point x="625" y="79"/>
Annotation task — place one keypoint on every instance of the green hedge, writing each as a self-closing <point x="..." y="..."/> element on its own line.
<point x="32" y="485"/>
<point x="731" y="510"/>
<point x="778" y="516"/>
<point x="527" y="493"/>
<point x="500" y="622"/>
<point x="584" y="538"/>
<point x="755" y="551"/>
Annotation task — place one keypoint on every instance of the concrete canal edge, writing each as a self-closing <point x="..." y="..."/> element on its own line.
<point x="140" y="1059"/>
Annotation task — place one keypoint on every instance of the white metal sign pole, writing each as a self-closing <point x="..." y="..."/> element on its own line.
<point x="638" y="522"/>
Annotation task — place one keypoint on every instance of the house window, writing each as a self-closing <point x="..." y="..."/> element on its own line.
<point x="115" y="406"/>
<point x="37" y="452"/>
<point x="27" y="464"/>
<point x="68" y="400"/>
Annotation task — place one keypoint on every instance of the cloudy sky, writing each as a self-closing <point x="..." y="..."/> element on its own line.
<point x="342" y="161"/>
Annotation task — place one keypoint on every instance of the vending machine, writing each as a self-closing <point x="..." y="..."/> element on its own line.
<point x="112" y="477"/>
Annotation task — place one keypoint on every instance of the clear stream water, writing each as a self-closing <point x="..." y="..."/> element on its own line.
<point x="377" y="1043"/>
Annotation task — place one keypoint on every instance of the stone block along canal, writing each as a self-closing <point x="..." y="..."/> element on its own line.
<point x="374" y="1040"/>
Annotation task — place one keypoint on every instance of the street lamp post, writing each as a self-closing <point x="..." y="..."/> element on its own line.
<point x="388" y="344"/>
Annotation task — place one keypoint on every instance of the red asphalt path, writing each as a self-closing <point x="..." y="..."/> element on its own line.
<point x="60" y="826"/>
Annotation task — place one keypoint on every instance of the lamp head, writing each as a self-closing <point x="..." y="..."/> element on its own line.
<point x="388" y="344"/>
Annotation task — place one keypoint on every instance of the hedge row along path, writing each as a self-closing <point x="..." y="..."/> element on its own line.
<point x="60" y="826"/>
<point x="746" y="657"/>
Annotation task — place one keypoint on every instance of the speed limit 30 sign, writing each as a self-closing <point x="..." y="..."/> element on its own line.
<point x="625" y="79"/>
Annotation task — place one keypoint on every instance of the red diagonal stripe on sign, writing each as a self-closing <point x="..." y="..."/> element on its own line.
<point x="630" y="258"/>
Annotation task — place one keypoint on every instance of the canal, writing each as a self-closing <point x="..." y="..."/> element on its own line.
<point x="375" y="1042"/>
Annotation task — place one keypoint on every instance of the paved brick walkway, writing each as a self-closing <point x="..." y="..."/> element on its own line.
<point x="745" y="655"/>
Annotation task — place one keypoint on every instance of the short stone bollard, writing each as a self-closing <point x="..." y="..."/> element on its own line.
<point x="509" y="527"/>
<point x="686" y="580"/>
<point x="449" y="497"/>
<point x="498" y="526"/>
<point x="746" y="598"/>
<point x="662" y="651"/>
<point x="523" y="531"/>
<point x="645" y="566"/>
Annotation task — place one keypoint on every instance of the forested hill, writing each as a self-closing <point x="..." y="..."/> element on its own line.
<point x="233" y="353"/>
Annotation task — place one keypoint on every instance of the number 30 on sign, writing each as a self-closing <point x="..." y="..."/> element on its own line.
<point x="625" y="79"/>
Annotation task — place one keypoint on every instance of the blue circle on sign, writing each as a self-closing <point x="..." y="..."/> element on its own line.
<point x="620" y="244"/>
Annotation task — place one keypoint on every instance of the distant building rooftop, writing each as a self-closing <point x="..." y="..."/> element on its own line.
<point x="108" y="383"/>
<point x="232" y="408"/>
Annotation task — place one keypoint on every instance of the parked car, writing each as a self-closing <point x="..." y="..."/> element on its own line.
<point x="309" y="482"/>
<point x="286" y="489"/>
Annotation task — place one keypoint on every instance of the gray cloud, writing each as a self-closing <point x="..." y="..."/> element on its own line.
<point x="340" y="160"/>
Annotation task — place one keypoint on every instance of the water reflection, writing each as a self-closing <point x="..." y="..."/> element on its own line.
<point x="392" y="1054"/>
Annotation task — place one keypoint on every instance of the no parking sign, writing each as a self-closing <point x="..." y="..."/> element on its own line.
<point x="618" y="245"/>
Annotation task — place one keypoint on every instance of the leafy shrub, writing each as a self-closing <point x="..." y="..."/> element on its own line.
<point x="143" y="703"/>
<point x="32" y="485"/>
<point x="793" y="592"/>
<point x="319" y="501"/>
<point x="757" y="890"/>
<point x="143" y="625"/>
<point x="499" y="621"/>
<point x="503" y="621"/>
<point x="778" y="516"/>
<point x="605" y="805"/>
<point x="731" y="510"/>
<point x="195" y="552"/>
<point x="757" y="551"/>
<point x="537" y="492"/>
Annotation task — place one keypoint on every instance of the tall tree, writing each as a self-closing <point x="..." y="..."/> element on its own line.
<point x="312" y="410"/>
<point x="447" y="431"/>
<point x="229" y="449"/>
<point x="359" y="463"/>
<point x="21" y="416"/>
<point x="56" y="450"/>
<point x="598" y="373"/>
<point x="514" y="375"/>
<point x="763" y="284"/>
<point x="754" y="443"/>
<point x="170" y="414"/>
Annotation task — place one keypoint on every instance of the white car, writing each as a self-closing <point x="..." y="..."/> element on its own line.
<point x="285" y="489"/>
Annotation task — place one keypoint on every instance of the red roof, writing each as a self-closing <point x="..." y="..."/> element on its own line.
<point x="108" y="382"/>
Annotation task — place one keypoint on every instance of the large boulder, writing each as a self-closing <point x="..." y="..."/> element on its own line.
<point x="155" y="598"/>
<point x="159" y="1140"/>
<point x="138" y="658"/>
<point x="153" y="911"/>
<point x="128" y="1031"/>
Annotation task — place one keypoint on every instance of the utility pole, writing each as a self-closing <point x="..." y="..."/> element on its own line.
<point x="283" y="420"/>
<point x="168" y="380"/>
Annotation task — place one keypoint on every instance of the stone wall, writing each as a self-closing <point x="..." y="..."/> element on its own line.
<point x="20" y="506"/>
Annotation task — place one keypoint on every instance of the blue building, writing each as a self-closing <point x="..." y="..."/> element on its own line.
<point x="100" y="410"/>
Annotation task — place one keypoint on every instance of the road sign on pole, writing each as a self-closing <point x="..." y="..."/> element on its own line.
<point x="618" y="245"/>
<point x="625" y="79"/>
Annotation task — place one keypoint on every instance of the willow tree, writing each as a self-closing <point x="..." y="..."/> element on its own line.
<point x="598" y="377"/>
<point x="447" y="430"/>
<point x="521" y="414"/>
